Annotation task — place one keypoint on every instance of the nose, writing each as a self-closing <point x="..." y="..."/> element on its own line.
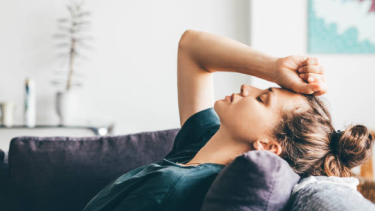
<point x="247" y="89"/>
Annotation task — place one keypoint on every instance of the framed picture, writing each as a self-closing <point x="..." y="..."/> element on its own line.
<point x="341" y="26"/>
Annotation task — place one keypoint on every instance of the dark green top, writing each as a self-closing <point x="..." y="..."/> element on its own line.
<point x="165" y="185"/>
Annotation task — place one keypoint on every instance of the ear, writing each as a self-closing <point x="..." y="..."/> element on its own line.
<point x="269" y="145"/>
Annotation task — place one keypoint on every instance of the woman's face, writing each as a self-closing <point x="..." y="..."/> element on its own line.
<point x="254" y="113"/>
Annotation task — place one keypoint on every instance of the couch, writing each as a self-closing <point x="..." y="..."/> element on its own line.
<point x="64" y="173"/>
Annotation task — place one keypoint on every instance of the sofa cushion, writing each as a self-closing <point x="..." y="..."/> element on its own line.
<point x="64" y="173"/>
<point x="328" y="194"/>
<point x="256" y="180"/>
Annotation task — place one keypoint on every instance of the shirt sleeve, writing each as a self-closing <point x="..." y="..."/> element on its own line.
<point x="194" y="134"/>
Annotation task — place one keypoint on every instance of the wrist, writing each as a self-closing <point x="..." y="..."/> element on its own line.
<point x="273" y="69"/>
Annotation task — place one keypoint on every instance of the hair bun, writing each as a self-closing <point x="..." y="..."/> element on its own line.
<point x="352" y="146"/>
<point x="335" y="140"/>
<point x="349" y="149"/>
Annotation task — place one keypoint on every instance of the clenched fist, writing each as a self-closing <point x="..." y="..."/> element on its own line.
<point x="301" y="74"/>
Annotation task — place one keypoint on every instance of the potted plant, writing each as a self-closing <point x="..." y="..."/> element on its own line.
<point x="71" y="39"/>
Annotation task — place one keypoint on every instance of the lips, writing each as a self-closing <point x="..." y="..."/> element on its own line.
<point x="230" y="98"/>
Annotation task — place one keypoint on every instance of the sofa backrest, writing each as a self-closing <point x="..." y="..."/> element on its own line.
<point x="64" y="173"/>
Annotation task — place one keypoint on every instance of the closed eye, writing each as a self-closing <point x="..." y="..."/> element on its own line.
<point x="260" y="100"/>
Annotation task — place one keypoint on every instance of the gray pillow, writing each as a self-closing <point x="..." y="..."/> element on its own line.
<point x="326" y="195"/>
<point x="256" y="180"/>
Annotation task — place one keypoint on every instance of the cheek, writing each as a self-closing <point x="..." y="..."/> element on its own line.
<point x="253" y="114"/>
<point x="248" y="120"/>
<point x="243" y="118"/>
<point x="248" y="110"/>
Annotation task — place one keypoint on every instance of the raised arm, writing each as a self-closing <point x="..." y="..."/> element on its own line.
<point x="201" y="53"/>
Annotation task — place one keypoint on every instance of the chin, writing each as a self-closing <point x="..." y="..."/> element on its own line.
<point x="220" y="106"/>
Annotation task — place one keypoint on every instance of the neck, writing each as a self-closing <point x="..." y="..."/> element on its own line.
<point x="221" y="149"/>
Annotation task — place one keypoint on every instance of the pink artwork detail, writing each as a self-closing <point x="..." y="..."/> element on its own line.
<point x="372" y="8"/>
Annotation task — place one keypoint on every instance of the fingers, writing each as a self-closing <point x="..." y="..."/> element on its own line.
<point x="321" y="89"/>
<point x="312" y="77"/>
<point x="312" y="69"/>
<point x="299" y="60"/>
<point x="317" y="81"/>
<point x="313" y="74"/>
<point x="305" y="88"/>
<point x="316" y="84"/>
<point x="310" y="72"/>
<point x="310" y="61"/>
<point x="312" y="88"/>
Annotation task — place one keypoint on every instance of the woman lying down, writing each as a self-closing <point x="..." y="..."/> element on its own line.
<point x="289" y="121"/>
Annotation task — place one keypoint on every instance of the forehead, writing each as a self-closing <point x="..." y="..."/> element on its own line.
<point x="288" y="100"/>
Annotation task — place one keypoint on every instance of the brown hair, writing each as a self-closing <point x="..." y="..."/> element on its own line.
<point x="311" y="145"/>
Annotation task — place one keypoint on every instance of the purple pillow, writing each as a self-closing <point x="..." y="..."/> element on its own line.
<point x="256" y="180"/>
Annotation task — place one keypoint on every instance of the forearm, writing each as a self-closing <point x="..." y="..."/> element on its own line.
<point x="216" y="53"/>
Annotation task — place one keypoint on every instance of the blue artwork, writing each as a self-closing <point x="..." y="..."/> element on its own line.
<point x="341" y="26"/>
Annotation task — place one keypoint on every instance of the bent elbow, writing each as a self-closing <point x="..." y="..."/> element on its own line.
<point x="185" y="37"/>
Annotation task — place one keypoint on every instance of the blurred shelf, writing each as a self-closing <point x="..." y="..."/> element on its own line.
<point x="97" y="130"/>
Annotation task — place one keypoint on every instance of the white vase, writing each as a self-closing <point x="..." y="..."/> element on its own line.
<point x="67" y="106"/>
<point x="7" y="113"/>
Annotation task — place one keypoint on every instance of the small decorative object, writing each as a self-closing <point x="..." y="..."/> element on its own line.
<point x="67" y="106"/>
<point x="29" y="103"/>
<point x="341" y="26"/>
<point x="73" y="41"/>
<point x="7" y="112"/>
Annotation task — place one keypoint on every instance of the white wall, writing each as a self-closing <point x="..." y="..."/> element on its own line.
<point x="281" y="30"/>
<point x="130" y="77"/>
